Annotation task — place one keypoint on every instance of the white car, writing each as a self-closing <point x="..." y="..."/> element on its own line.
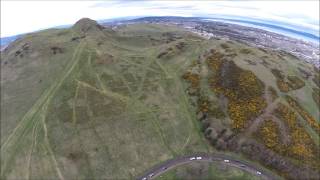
<point x="192" y="158"/>
<point x="258" y="172"/>
<point x="144" y="178"/>
<point x="199" y="158"/>
<point x="226" y="161"/>
<point x="150" y="175"/>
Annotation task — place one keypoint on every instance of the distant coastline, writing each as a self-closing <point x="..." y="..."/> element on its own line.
<point x="272" y="28"/>
<point x="265" y="26"/>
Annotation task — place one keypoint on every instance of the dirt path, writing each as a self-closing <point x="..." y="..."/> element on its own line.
<point x="13" y="144"/>
<point x="267" y="114"/>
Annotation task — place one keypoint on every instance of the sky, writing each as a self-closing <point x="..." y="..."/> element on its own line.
<point x="26" y="16"/>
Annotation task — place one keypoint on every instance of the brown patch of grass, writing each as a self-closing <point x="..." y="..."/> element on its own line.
<point x="277" y="73"/>
<point x="265" y="63"/>
<point x="304" y="73"/>
<point x="295" y="82"/>
<point x="250" y="62"/>
<point x="216" y="112"/>
<point x="283" y="86"/>
<point x="105" y="59"/>
<point x="286" y="84"/>
<point x="170" y="51"/>
<point x="193" y="79"/>
<point x="224" y="46"/>
<point x="273" y="93"/>
<point x="203" y="103"/>
<point x="245" y="51"/>
<point x="162" y="54"/>
<point x="206" y="107"/>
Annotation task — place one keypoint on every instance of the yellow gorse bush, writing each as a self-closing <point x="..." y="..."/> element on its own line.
<point x="301" y="147"/>
<point x="244" y="91"/>
<point x="304" y="114"/>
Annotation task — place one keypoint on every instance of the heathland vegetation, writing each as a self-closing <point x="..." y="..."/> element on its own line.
<point x="109" y="103"/>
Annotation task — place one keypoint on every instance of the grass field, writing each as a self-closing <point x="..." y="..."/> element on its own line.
<point x="104" y="118"/>
<point x="111" y="104"/>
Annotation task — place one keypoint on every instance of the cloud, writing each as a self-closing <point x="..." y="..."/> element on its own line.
<point x="26" y="16"/>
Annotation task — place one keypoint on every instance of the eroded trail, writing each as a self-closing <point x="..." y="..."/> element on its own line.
<point x="37" y="114"/>
<point x="267" y="115"/>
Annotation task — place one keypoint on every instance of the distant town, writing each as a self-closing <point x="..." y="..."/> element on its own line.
<point x="302" y="49"/>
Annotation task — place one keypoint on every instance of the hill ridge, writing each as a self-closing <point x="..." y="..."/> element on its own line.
<point x="86" y="25"/>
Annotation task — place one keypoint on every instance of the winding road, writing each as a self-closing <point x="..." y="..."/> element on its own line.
<point x="228" y="160"/>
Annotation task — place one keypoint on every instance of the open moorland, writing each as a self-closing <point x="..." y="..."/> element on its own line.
<point x="95" y="102"/>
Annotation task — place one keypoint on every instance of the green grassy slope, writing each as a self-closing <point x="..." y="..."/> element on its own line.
<point x="108" y="111"/>
<point x="91" y="102"/>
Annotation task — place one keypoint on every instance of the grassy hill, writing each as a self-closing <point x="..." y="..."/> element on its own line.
<point x="90" y="101"/>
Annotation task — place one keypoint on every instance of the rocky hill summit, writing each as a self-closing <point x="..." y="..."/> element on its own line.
<point x="86" y="25"/>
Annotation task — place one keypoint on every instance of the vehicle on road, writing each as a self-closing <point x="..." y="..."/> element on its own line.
<point x="151" y="175"/>
<point x="226" y="160"/>
<point x="164" y="168"/>
<point x="258" y="172"/>
<point x="198" y="158"/>
<point x="192" y="158"/>
<point x="144" y="178"/>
